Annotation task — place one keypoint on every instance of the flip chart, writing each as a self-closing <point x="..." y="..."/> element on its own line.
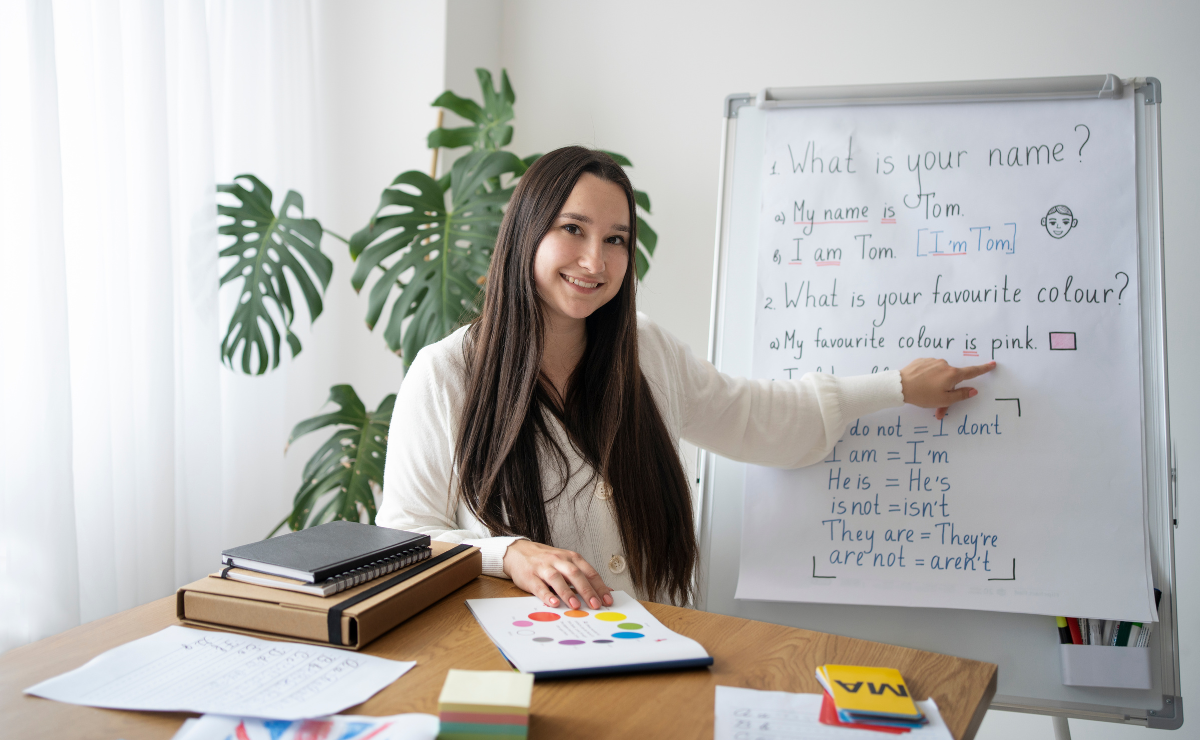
<point x="970" y="233"/>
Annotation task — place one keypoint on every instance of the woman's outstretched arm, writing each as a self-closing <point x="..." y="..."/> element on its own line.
<point x="793" y="423"/>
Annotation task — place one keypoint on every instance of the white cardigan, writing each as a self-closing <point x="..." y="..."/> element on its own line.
<point x="785" y="424"/>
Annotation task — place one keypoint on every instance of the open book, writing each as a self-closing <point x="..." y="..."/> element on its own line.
<point x="555" y="643"/>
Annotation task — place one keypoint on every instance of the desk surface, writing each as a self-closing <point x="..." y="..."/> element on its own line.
<point x="749" y="654"/>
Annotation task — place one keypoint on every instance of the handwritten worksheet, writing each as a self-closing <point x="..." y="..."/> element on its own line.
<point x="748" y="714"/>
<point x="188" y="670"/>
<point x="967" y="233"/>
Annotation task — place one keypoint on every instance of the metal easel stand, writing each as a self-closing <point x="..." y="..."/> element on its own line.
<point x="1062" y="730"/>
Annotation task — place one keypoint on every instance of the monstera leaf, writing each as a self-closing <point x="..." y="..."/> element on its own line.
<point x="266" y="244"/>
<point x="490" y="131"/>
<point x="338" y="477"/>
<point x="439" y="253"/>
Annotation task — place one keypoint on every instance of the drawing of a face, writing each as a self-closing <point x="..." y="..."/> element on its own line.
<point x="1058" y="221"/>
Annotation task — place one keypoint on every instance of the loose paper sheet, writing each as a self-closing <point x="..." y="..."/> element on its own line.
<point x="537" y="638"/>
<point x="747" y="714"/>
<point x="340" y="727"/>
<point x="187" y="670"/>
<point x="968" y="233"/>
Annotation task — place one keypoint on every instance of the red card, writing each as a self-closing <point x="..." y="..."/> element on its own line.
<point x="829" y="717"/>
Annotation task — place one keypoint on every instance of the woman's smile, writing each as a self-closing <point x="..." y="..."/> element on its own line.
<point x="582" y="285"/>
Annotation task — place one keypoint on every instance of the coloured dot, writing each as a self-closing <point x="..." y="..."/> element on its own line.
<point x="543" y="639"/>
<point x="602" y="641"/>
<point x="630" y="626"/>
<point x="610" y="617"/>
<point x="576" y="613"/>
<point x="545" y="617"/>
<point x="628" y="635"/>
<point x="522" y="623"/>
<point x="570" y="642"/>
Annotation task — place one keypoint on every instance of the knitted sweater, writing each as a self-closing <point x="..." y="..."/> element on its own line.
<point x="786" y="424"/>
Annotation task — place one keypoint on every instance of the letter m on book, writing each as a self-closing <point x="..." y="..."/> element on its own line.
<point x="847" y="687"/>
<point x="898" y="691"/>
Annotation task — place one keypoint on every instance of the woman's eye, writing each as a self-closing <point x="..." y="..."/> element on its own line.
<point x="572" y="229"/>
<point x="616" y="240"/>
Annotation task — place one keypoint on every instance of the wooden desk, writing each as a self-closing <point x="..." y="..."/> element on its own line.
<point x="678" y="704"/>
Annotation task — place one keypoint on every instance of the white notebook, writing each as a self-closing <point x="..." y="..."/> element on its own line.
<point x="553" y="643"/>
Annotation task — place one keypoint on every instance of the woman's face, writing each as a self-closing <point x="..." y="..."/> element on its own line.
<point x="580" y="264"/>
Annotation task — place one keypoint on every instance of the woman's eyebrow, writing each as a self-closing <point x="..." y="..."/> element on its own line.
<point x="588" y="220"/>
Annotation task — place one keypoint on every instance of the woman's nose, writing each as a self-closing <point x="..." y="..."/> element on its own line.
<point x="592" y="258"/>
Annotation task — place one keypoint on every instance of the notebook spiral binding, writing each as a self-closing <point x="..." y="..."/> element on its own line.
<point x="371" y="571"/>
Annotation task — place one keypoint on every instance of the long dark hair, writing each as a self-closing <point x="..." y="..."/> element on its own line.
<point x="608" y="411"/>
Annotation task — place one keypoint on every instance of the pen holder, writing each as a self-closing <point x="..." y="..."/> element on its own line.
<point x="1102" y="665"/>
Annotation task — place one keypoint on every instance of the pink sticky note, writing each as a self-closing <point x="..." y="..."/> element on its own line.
<point x="1062" y="340"/>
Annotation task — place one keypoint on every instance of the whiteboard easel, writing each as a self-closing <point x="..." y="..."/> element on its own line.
<point x="1024" y="646"/>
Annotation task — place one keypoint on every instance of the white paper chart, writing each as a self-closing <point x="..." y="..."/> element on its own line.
<point x="182" y="669"/>
<point x="967" y="232"/>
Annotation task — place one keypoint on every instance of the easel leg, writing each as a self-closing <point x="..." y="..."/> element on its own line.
<point x="1062" y="731"/>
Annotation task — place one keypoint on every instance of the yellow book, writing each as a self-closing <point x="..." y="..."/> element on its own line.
<point x="860" y="691"/>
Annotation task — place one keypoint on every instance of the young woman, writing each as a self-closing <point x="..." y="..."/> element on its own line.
<point x="546" y="432"/>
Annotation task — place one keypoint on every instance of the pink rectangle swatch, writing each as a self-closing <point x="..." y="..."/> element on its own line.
<point x="1062" y="340"/>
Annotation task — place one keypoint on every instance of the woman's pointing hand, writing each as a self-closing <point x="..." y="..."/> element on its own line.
<point x="932" y="384"/>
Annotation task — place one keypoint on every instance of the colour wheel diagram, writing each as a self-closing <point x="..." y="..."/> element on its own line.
<point x="576" y="627"/>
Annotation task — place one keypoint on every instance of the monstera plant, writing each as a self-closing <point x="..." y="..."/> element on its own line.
<point x="429" y="243"/>
<point x="432" y="239"/>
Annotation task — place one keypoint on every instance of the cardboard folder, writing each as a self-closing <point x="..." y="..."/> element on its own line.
<point x="350" y="619"/>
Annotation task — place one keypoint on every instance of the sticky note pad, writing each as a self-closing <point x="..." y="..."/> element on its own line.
<point x="868" y="690"/>
<point x="485" y="704"/>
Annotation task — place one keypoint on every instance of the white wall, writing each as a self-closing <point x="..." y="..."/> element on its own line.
<point x="380" y="64"/>
<point x="472" y="41"/>
<point x="647" y="79"/>
<point x="377" y="65"/>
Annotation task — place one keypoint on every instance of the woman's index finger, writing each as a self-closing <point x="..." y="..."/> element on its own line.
<point x="974" y="371"/>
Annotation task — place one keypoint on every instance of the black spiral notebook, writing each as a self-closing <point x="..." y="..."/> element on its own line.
<point x="324" y="551"/>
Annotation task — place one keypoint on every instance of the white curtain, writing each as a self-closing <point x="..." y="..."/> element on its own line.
<point x="129" y="457"/>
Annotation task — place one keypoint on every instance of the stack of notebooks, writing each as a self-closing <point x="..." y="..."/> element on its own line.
<point x="485" y="705"/>
<point x="325" y="559"/>
<point x="867" y="698"/>
<point x="340" y="583"/>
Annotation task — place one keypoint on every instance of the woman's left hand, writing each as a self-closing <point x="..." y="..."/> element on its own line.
<point x="930" y="383"/>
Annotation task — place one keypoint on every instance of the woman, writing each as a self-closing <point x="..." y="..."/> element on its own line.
<point x="546" y="431"/>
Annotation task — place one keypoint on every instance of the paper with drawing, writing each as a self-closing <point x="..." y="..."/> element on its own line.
<point x="537" y="638"/>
